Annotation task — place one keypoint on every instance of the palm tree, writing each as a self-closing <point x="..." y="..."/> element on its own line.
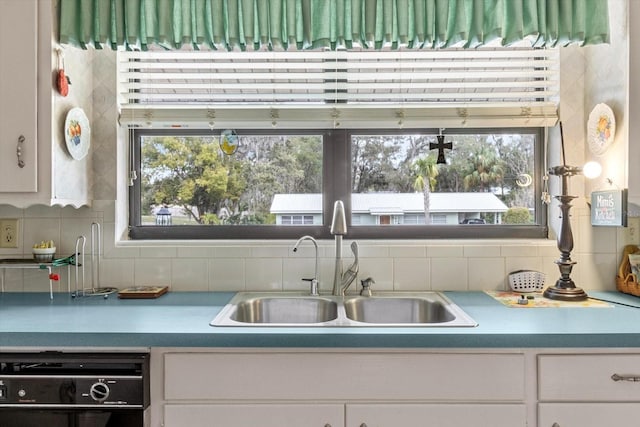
<point x="487" y="169"/>
<point x="426" y="171"/>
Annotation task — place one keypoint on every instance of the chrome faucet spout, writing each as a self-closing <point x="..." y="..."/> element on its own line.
<point x="314" y="280"/>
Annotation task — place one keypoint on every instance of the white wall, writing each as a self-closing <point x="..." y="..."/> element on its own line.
<point x="589" y="75"/>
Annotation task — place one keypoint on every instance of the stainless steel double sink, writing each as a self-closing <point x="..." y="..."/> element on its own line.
<point x="416" y="309"/>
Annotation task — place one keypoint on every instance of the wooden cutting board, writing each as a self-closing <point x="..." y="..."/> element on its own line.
<point x="143" y="292"/>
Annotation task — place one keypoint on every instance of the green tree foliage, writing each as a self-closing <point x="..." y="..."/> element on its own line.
<point x="517" y="215"/>
<point x="425" y="170"/>
<point x="213" y="188"/>
<point x="189" y="172"/>
<point x="487" y="169"/>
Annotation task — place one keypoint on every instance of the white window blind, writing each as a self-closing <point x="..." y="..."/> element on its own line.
<point x="319" y="89"/>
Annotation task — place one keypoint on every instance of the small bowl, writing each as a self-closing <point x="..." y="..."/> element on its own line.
<point x="44" y="254"/>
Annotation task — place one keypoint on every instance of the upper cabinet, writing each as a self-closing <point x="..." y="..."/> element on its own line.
<point x="32" y="113"/>
<point x="18" y="96"/>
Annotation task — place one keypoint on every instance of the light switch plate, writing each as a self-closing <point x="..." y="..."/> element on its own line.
<point x="8" y="233"/>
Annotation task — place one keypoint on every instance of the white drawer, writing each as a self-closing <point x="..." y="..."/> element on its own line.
<point x="344" y="376"/>
<point x="263" y="415"/>
<point x="589" y="377"/>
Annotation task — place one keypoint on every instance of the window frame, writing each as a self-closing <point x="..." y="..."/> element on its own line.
<point x="336" y="184"/>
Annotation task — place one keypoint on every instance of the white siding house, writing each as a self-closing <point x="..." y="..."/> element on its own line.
<point x="390" y="208"/>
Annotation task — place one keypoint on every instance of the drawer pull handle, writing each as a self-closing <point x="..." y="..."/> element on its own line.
<point x="363" y="425"/>
<point x="631" y="378"/>
<point x="19" y="151"/>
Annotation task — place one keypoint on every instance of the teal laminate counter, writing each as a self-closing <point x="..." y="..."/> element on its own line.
<point x="181" y="319"/>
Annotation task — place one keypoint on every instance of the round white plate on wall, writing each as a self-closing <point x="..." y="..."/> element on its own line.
<point x="601" y="129"/>
<point x="77" y="133"/>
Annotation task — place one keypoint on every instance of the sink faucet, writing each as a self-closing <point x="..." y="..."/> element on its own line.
<point x="314" y="280"/>
<point x="342" y="279"/>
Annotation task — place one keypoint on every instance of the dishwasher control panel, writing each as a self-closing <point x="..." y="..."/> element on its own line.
<point x="74" y="380"/>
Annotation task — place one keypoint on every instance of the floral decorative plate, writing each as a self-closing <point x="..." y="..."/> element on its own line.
<point x="77" y="133"/>
<point x="601" y="129"/>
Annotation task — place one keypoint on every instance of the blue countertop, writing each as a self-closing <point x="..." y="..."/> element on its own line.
<point x="181" y="319"/>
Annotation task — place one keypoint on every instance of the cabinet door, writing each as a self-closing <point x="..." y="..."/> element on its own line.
<point x="588" y="377"/>
<point x="245" y="415"/>
<point x="588" y="414"/>
<point x="18" y="89"/>
<point x="436" y="415"/>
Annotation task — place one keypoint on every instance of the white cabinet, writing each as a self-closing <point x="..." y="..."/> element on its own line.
<point x="319" y="387"/>
<point x="588" y="415"/>
<point x="30" y="107"/>
<point x="436" y="415"/>
<point x="263" y="415"/>
<point x="588" y="390"/>
<point x="18" y="96"/>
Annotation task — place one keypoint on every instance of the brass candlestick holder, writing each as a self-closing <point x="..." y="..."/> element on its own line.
<point x="565" y="289"/>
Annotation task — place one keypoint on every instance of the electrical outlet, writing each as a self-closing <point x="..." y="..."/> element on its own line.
<point x="8" y="233"/>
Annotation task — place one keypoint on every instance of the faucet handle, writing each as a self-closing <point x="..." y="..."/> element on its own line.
<point x="313" y="286"/>
<point x="366" y="286"/>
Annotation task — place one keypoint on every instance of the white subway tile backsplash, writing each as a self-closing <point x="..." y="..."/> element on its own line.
<point x="72" y="229"/>
<point x="152" y="271"/>
<point x="411" y="274"/>
<point x="195" y="252"/>
<point x="226" y="274"/>
<point x="409" y="251"/>
<point x="273" y="266"/>
<point x="232" y="251"/>
<point x="38" y="229"/>
<point x="158" y="252"/>
<point x="263" y="274"/>
<point x="40" y="211"/>
<point x="519" y="250"/>
<point x="117" y="273"/>
<point x="189" y="274"/>
<point x="449" y="274"/>
<point x="596" y="268"/>
<point x="445" y="251"/>
<point x="296" y="269"/>
<point x="481" y="251"/>
<point x="36" y="280"/>
<point x="14" y="280"/>
<point x="487" y="274"/>
<point x="367" y="251"/>
<point x="380" y="269"/>
<point x="267" y="251"/>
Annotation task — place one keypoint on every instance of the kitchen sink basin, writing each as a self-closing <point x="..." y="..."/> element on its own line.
<point x="285" y="310"/>
<point x="397" y="310"/>
<point x="416" y="309"/>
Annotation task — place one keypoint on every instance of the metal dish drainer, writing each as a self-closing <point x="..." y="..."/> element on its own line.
<point x="96" y="254"/>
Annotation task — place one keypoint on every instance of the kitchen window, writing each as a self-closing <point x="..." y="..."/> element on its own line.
<point x="353" y="125"/>
<point x="282" y="183"/>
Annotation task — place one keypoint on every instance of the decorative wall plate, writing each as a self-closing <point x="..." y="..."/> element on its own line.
<point x="77" y="133"/>
<point x="601" y="129"/>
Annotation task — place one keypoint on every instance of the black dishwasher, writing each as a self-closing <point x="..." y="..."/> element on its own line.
<point x="60" y="389"/>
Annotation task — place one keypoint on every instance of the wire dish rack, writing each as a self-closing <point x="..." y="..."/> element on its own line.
<point x="526" y="281"/>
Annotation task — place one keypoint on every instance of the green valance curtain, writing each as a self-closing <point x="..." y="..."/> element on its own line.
<point x="308" y="24"/>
